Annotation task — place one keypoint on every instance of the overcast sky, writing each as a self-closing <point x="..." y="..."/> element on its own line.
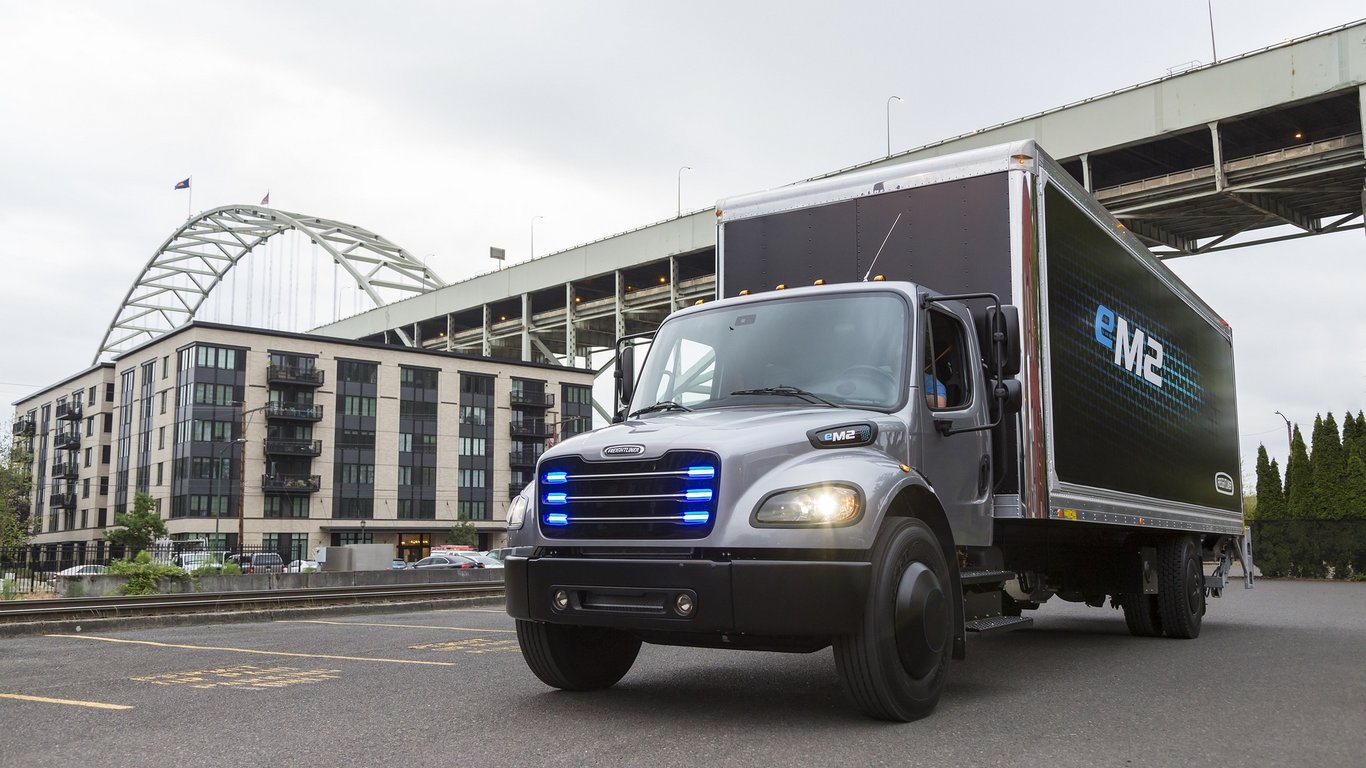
<point x="447" y="126"/>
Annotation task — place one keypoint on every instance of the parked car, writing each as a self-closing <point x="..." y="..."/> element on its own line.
<point x="399" y="565"/>
<point x="76" y="571"/>
<point x="261" y="562"/>
<point x="483" y="559"/>
<point x="301" y="566"/>
<point x="193" y="561"/>
<point x="445" y="561"/>
<point x="501" y="553"/>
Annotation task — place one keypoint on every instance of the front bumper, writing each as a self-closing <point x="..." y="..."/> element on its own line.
<point x="751" y="596"/>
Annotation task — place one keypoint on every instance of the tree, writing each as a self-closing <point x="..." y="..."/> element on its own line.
<point x="463" y="532"/>
<point x="1327" y="466"/>
<point x="1354" y="487"/>
<point x="1299" y="483"/>
<point x="136" y="530"/>
<point x="1270" y="497"/>
<point x="16" y="489"/>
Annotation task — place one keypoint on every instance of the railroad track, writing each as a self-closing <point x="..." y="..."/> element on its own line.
<point x="64" y="609"/>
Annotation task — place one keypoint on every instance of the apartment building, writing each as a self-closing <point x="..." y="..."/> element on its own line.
<point x="292" y="441"/>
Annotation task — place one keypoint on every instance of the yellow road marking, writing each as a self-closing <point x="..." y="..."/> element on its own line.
<point x="68" y="702"/>
<point x="373" y="624"/>
<point x="252" y="650"/>
<point x="242" y="676"/>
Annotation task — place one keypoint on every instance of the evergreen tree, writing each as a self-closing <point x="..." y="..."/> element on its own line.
<point x="1361" y="434"/>
<point x="1354" y="487"/>
<point x="1327" y="467"/>
<point x="1349" y="432"/>
<point x="1270" y="497"/>
<point x="1299" y="483"/>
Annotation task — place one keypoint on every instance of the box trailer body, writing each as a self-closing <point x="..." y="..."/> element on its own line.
<point x="1129" y="412"/>
<point x="985" y="393"/>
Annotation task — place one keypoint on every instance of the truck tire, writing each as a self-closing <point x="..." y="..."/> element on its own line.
<point x="1181" y="586"/>
<point x="896" y="665"/>
<point x="1142" y="614"/>
<point x="576" y="658"/>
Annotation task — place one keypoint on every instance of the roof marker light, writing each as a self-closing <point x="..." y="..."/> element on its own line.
<point x="557" y="498"/>
<point x="555" y="478"/>
<point x="697" y="494"/>
<point x="701" y="472"/>
<point x="878" y="278"/>
<point x="557" y="518"/>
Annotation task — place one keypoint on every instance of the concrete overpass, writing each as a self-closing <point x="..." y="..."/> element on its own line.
<point x="1259" y="148"/>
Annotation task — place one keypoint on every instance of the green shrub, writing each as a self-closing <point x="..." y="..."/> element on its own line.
<point x="142" y="574"/>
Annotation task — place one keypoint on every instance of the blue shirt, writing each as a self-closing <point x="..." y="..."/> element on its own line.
<point x="934" y="387"/>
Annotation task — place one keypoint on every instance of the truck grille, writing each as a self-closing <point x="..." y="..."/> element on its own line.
<point x="671" y="497"/>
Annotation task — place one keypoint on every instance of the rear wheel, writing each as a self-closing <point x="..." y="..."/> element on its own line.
<point x="1142" y="614"/>
<point x="576" y="658"/>
<point x="1181" y="586"/>
<point x="896" y="665"/>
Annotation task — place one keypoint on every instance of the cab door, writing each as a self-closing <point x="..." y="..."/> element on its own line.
<point x="953" y="396"/>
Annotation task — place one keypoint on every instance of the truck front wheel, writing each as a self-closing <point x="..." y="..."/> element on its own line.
<point x="1181" y="586"/>
<point x="576" y="658"/>
<point x="896" y="665"/>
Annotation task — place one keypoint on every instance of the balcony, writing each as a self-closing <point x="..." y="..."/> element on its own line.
<point x="292" y="412"/>
<point x="288" y="374"/>
<point x="69" y="441"/>
<point x="536" y="399"/>
<point x="532" y="428"/>
<point x="291" y="484"/>
<point x="23" y="427"/>
<point x="65" y="470"/>
<point x="62" y="501"/>
<point x="276" y="446"/>
<point x="68" y="411"/>
<point x="523" y="458"/>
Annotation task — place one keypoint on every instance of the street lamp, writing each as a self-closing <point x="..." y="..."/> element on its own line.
<point x="218" y="484"/>
<point x="680" y="188"/>
<point x="533" y="235"/>
<point x="1289" y="440"/>
<point x="890" y="99"/>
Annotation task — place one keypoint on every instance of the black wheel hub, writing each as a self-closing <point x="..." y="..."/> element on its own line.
<point x="921" y="620"/>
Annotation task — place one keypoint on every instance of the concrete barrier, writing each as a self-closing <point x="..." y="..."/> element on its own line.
<point x="109" y="584"/>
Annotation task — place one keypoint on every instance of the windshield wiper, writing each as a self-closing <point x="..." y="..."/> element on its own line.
<point x="782" y="390"/>
<point x="662" y="405"/>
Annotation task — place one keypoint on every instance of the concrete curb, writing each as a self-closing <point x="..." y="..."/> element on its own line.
<point x="73" y="626"/>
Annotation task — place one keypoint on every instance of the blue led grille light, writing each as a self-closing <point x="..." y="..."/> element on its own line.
<point x="701" y="473"/>
<point x="693" y="518"/>
<point x="555" y="478"/>
<point x="557" y="498"/>
<point x="557" y="518"/>
<point x="697" y="494"/>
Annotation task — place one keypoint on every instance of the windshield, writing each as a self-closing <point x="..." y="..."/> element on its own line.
<point x="847" y="349"/>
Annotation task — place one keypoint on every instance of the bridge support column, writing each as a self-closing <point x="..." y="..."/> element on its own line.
<point x="450" y="332"/>
<point x="571" y="341"/>
<point x="1086" y="172"/>
<point x="526" y="327"/>
<point x="1220" y="180"/>
<point x="673" y="283"/>
<point x="619" y="316"/>
<point x="487" y="344"/>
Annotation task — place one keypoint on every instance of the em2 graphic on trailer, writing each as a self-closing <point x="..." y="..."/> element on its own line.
<point x="1142" y="384"/>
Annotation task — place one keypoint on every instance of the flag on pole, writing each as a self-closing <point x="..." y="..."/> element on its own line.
<point x="266" y="200"/>
<point x="183" y="184"/>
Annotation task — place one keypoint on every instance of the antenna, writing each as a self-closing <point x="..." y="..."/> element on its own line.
<point x="880" y="247"/>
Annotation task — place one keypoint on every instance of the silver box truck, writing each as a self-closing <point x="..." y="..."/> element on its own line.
<point x="985" y="394"/>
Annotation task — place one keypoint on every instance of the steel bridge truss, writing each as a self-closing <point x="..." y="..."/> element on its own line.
<point x="196" y="257"/>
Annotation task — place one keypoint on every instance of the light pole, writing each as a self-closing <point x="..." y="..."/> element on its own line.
<point x="1289" y="440"/>
<point x="680" y="188"/>
<point x="533" y="235"/>
<point x="218" y="482"/>
<point x="890" y="99"/>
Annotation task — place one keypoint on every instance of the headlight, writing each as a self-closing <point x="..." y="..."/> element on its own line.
<point x="814" y="505"/>
<point x="517" y="513"/>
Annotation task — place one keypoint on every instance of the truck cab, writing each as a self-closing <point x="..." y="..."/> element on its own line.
<point x="745" y="495"/>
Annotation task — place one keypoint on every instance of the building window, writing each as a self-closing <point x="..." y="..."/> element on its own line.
<point x="405" y="475"/>
<point x="363" y="474"/>
<point x="159" y="473"/>
<point x="216" y="357"/>
<point x="356" y="438"/>
<point x="476" y="385"/>
<point x="357" y="372"/>
<point x="473" y="510"/>
<point x="473" y="414"/>
<point x="473" y="446"/>
<point x="89" y="426"/>
<point x="405" y="442"/>
<point x="85" y="489"/>
<point x="163" y="394"/>
<point x="104" y="485"/>
<point x="353" y="508"/>
<point x="355" y="405"/>
<point x="423" y="378"/>
<point x="342" y="538"/>
<point x="89" y="456"/>
<point x="104" y="454"/>
<point x="470" y="478"/>
<point x="161" y="438"/>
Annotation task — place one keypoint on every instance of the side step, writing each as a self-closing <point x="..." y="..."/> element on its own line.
<point x="998" y="624"/>
<point x="982" y="600"/>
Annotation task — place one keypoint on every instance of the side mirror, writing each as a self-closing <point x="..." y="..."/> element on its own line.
<point x="999" y="336"/>
<point x="625" y="374"/>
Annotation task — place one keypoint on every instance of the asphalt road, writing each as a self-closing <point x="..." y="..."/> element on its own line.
<point x="1278" y="678"/>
